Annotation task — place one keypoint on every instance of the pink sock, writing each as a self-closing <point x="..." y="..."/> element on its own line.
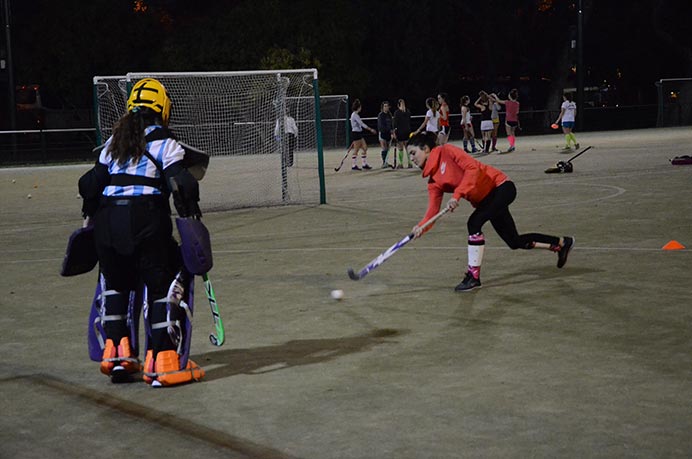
<point x="475" y="271"/>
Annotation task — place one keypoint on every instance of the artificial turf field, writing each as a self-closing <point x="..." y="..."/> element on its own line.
<point x="592" y="360"/>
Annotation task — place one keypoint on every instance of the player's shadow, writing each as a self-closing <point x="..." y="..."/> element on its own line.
<point x="290" y="354"/>
<point x="539" y="275"/>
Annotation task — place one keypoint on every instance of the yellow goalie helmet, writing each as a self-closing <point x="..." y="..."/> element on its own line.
<point x="150" y="93"/>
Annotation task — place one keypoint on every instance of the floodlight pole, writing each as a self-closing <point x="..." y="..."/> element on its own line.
<point x="580" y="66"/>
<point x="12" y="105"/>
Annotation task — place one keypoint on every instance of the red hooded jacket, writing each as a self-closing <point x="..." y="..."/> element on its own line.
<point x="451" y="170"/>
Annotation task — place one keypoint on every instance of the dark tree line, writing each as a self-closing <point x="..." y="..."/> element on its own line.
<point x="369" y="49"/>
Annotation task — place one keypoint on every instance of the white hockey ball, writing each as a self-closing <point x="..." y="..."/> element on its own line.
<point x="337" y="294"/>
<point x="28" y="196"/>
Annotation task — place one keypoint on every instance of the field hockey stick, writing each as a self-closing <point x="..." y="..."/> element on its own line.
<point x="337" y="169"/>
<point x="395" y="152"/>
<point x="220" y="336"/>
<point x="381" y="258"/>
<point x="580" y="153"/>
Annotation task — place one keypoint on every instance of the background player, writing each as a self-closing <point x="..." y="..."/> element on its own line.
<point x="402" y="130"/>
<point x="384" y="129"/>
<point x="467" y="125"/>
<point x="511" y="116"/>
<point x="357" y="140"/>
<point x="568" y="114"/>
<point x="444" y="118"/>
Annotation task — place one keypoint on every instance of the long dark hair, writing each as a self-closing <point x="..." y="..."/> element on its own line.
<point x="128" y="134"/>
<point x="430" y="102"/>
<point x="422" y="139"/>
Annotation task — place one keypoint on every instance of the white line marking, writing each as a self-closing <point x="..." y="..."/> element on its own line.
<point x="375" y="249"/>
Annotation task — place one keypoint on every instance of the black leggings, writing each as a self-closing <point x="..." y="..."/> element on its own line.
<point x="495" y="209"/>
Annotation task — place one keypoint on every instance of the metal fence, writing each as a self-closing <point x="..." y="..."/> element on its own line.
<point x="47" y="146"/>
<point x="73" y="145"/>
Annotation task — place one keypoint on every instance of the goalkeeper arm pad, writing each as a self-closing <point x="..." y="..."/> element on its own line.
<point x="186" y="197"/>
<point x="91" y="186"/>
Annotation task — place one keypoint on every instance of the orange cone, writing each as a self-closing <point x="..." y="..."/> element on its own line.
<point x="673" y="245"/>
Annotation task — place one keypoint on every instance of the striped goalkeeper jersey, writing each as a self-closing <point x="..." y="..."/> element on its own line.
<point x="165" y="151"/>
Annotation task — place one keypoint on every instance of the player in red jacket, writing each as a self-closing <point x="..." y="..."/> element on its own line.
<point x="450" y="169"/>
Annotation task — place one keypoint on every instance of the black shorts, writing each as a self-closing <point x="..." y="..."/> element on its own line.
<point x="512" y="123"/>
<point x="134" y="242"/>
<point x="356" y="135"/>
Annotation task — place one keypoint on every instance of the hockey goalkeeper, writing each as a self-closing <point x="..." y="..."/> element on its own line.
<point x="126" y="198"/>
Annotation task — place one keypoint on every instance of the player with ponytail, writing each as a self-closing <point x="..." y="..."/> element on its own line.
<point x="449" y="169"/>
<point x="126" y="197"/>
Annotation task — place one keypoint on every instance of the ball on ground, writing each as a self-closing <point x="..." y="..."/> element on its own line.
<point x="28" y="196"/>
<point x="337" y="294"/>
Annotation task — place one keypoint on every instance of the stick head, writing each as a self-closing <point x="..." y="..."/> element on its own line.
<point x="560" y="168"/>
<point x="352" y="274"/>
<point x="554" y="126"/>
<point x="564" y="167"/>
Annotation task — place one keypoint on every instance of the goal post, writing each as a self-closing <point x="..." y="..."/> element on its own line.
<point x="110" y="103"/>
<point x="235" y="118"/>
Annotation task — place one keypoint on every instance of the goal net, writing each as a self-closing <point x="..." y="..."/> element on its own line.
<point x="335" y="121"/>
<point x="674" y="102"/>
<point x="110" y="103"/>
<point x="234" y="117"/>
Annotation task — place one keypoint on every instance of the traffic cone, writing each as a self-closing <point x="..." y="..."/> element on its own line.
<point x="673" y="245"/>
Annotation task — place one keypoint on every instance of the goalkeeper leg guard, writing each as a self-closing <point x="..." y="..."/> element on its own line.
<point x="169" y="325"/>
<point x="117" y="361"/>
<point x="170" y="373"/>
<point x="149" y="368"/>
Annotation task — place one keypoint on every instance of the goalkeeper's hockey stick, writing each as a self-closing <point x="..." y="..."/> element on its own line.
<point x="220" y="336"/>
<point x="381" y="258"/>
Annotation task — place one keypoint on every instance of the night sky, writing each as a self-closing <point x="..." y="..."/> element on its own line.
<point x="371" y="50"/>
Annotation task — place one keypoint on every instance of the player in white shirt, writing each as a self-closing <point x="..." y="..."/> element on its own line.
<point x="431" y="122"/>
<point x="568" y="113"/>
